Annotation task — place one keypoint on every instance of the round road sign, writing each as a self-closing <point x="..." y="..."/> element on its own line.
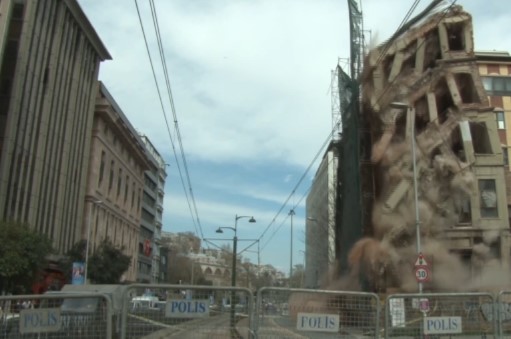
<point x="422" y="273"/>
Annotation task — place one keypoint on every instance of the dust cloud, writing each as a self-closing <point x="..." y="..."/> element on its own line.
<point x="445" y="178"/>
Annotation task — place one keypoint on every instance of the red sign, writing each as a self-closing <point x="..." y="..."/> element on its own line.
<point x="422" y="273"/>
<point x="421" y="261"/>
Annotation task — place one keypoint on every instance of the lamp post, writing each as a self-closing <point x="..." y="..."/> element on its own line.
<point x="234" y="249"/>
<point x="92" y="203"/>
<point x="291" y="213"/>
<point x="303" y="268"/>
<point x="411" y="118"/>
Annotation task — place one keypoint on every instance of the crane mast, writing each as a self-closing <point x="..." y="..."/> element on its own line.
<point x="356" y="38"/>
<point x="353" y="214"/>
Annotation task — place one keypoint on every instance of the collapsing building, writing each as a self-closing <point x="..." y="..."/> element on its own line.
<point x="424" y="84"/>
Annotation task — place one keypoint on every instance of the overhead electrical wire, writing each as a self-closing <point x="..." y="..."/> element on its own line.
<point x="405" y="19"/>
<point x="285" y="219"/>
<point x="318" y="154"/>
<point x="174" y="114"/>
<point x="400" y="31"/>
<point x="188" y="193"/>
<point x="403" y="25"/>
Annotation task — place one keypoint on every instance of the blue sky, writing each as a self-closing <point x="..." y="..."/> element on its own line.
<point x="251" y="88"/>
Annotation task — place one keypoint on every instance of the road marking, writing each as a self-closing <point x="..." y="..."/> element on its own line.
<point x="153" y="322"/>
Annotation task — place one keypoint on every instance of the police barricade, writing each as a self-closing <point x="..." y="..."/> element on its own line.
<point x="186" y="311"/>
<point x="56" y="315"/>
<point x="440" y="315"/>
<point x="305" y="313"/>
<point x="504" y="313"/>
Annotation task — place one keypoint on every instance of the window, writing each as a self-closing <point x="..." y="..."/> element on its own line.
<point x="126" y="184"/>
<point x="147" y="216"/>
<point x="488" y="198"/>
<point x="138" y="199"/>
<point x="455" y="32"/>
<point x="119" y="183"/>
<point x="464" y="211"/>
<point x="111" y="180"/>
<point x="501" y="123"/>
<point x="468" y="91"/>
<point x="133" y="195"/>
<point x="487" y="83"/>
<point x="150" y="183"/>
<point x="95" y="237"/>
<point x="505" y="155"/>
<point x="480" y="138"/>
<point x="18" y="10"/>
<point x="149" y="200"/>
<point x="101" y="168"/>
<point x="497" y="85"/>
<point x="107" y="226"/>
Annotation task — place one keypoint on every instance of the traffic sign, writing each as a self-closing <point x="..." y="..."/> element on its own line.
<point x="422" y="273"/>
<point x="421" y="261"/>
<point x="424" y="304"/>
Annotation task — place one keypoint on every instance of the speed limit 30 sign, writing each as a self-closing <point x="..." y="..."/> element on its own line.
<point x="422" y="273"/>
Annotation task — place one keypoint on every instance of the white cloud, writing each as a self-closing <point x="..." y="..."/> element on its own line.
<point x="251" y="86"/>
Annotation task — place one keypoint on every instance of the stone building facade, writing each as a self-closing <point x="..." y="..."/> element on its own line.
<point x="437" y="152"/>
<point x="495" y="70"/>
<point x="49" y="63"/>
<point x="426" y="100"/>
<point x="115" y="183"/>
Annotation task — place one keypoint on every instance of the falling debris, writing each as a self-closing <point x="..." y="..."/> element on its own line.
<point x="423" y="85"/>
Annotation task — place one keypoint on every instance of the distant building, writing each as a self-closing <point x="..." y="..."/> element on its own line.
<point x="213" y="268"/>
<point x="152" y="212"/>
<point x="115" y="181"/>
<point x="320" y="236"/>
<point x="49" y="63"/>
<point x="184" y="242"/>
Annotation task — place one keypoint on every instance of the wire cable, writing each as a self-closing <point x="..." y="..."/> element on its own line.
<point x="415" y="19"/>
<point x="320" y="151"/>
<point x="174" y="114"/>
<point x="405" y="19"/>
<point x="404" y="25"/>
<point x="169" y="93"/>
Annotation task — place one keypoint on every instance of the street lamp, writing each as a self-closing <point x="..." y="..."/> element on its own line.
<point x="234" y="249"/>
<point x="92" y="203"/>
<point x="411" y="119"/>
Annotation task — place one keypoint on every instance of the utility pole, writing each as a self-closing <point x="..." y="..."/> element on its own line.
<point x="291" y="213"/>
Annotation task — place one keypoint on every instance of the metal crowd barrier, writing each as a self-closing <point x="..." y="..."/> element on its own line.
<point x="304" y="313"/>
<point x="153" y="311"/>
<point x="440" y="315"/>
<point x="57" y="315"/>
<point x="186" y="311"/>
<point x="504" y="314"/>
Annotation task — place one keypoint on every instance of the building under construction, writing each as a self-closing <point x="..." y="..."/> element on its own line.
<point x="423" y="135"/>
